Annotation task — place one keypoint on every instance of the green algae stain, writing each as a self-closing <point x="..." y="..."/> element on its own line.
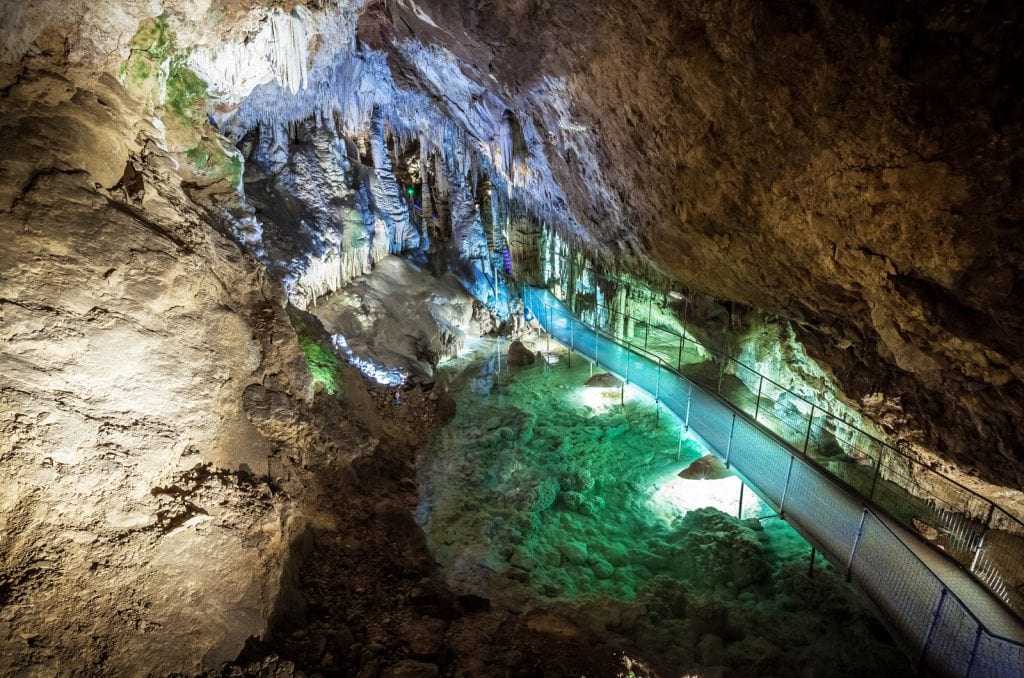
<point x="323" y="363"/>
<point x="154" y="38"/>
<point x="186" y="91"/>
<point x="210" y="158"/>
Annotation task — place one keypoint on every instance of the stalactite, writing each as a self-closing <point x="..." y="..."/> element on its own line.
<point x="387" y="197"/>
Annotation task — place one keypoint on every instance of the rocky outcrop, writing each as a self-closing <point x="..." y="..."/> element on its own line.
<point x="141" y="531"/>
<point x="519" y="355"/>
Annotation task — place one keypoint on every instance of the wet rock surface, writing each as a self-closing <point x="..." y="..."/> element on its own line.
<point x="519" y="355"/>
<point x="604" y="380"/>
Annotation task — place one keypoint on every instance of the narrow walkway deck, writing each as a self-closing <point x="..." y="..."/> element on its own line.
<point x="938" y="611"/>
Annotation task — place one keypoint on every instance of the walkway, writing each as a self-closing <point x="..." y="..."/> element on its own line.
<point x="937" y="610"/>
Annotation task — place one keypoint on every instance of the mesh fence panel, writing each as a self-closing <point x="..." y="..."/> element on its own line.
<point x="830" y="515"/>
<point x="711" y="420"/>
<point x="898" y="583"/>
<point x="760" y="459"/>
<point x="997" y="658"/>
<point x="905" y="590"/>
<point x="951" y="641"/>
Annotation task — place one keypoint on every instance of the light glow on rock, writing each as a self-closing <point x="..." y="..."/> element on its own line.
<point x="386" y="376"/>
<point x="674" y="497"/>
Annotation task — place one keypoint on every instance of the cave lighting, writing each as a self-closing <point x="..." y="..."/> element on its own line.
<point x="386" y="376"/>
<point x="674" y="497"/>
<point x="601" y="400"/>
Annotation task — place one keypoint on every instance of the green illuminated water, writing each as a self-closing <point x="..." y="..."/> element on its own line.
<point x="543" y="492"/>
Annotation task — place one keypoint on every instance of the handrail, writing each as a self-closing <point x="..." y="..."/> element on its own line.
<point x="986" y="510"/>
<point x="939" y="614"/>
<point x="802" y="398"/>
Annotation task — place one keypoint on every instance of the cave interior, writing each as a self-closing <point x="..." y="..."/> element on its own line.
<point x="274" y="400"/>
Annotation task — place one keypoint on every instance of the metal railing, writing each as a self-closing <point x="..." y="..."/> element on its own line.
<point x="972" y="529"/>
<point x="938" y="623"/>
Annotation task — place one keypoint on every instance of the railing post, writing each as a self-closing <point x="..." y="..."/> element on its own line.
<point x="757" y="405"/>
<point x="878" y="472"/>
<point x="689" y="399"/>
<point x="931" y="628"/>
<point x="547" y="329"/>
<point x="647" y="326"/>
<point x="679" y="360"/>
<point x="974" y="652"/>
<point x="657" y="388"/>
<point x="977" y="553"/>
<point x="856" y="540"/>
<point x="810" y="421"/>
<point x="785" y="490"/>
<point x="728" y="447"/>
<point x="739" y="513"/>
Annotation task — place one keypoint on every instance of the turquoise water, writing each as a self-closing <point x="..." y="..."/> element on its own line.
<point x="545" y="493"/>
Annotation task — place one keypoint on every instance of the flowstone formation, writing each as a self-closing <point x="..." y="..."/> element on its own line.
<point x="182" y="182"/>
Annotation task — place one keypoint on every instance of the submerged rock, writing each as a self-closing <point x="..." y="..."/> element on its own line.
<point x="519" y="355"/>
<point x="717" y="550"/>
<point x="604" y="380"/>
<point x="574" y="551"/>
<point x="708" y="467"/>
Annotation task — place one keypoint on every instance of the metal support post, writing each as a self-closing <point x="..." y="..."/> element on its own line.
<point x="974" y="651"/>
<point x="686" y="306"/>
<point x="810" y="568"/>
<point x="856" y="540"/>
<point x="931" y="627"/>
<point x="810" y="421"/>
<point x="757" y="405"/>
<point x="689" y="399"/>
<point x="739" y="512"/>
<point x="547" y="330"/>
<point x="721" y="374"/>
<point x="679" y="360"/>
<point x="878" y="472"/>
<point x="679" y="450"/>
<point x="977" y="553"/>
<point x="728" y="447"/>
<point x="785" y="490"/>
<point x="627" y="367"/>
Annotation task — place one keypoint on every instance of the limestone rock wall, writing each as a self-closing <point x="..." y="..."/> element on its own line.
<point x="138" y="531"/>
<point x="853" y="167"/>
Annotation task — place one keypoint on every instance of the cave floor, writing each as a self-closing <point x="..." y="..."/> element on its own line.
<point x="543" y="494"/>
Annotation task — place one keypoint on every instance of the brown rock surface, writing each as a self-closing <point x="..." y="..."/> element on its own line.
<point x="604" y="380"/>
<point x="142" y="533"/>
<point x="519" y="355"/>
<point x="853" y="168"/>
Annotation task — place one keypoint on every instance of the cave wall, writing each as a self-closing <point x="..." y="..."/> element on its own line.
<point x="853" y="167"/>
<point x="140" y="533"/>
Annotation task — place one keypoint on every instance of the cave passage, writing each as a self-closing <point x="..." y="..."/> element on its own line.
<point x="545" y="492"/>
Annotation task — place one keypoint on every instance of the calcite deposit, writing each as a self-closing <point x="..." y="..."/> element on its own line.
<point x="181" y="178"/>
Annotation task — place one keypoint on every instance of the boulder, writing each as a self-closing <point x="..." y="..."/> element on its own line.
<point x="574" y="551"/>
<point x="708" y="467"/>
<point x="604" y="380"/>
<point x="519" y="355"/>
